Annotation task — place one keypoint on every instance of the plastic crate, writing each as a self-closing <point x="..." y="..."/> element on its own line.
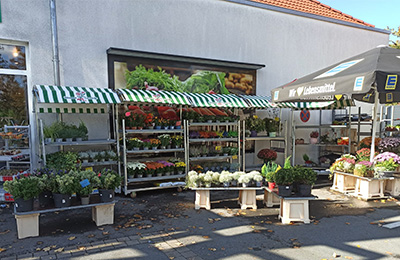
<point x="8" y="197"/>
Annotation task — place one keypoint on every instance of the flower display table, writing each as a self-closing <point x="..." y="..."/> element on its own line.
<point x="28" y="222"/>
<point x="364" y="187"/>
<point x="247" y="196"/>
<point x="271" y="198"/>
<point x="343" y="182"/>
<point x="291" y="208"/>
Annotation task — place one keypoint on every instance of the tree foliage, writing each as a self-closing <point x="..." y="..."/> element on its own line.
<point x="396" y="43"/>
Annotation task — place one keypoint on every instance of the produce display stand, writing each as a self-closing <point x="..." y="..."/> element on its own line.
<point x="215" y="101"/>
<point x="150" y="98"/>
<point x="28" y="222"/>
<point x="77" y="100"/>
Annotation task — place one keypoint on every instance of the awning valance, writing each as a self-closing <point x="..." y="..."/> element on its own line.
<point x="155" y="97"/>
<point x="75" y="95"/>
<point x="216" y="100"/>
<point x="259" y="102"/>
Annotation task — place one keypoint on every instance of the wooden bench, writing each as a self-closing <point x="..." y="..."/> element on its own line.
<point x="28" y="222"/>
<point x="291" y="208"/>
<point x="247" y="196"/>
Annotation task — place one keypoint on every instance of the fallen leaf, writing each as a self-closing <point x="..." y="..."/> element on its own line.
<point x="39" y="242"/>
<point x="46" y="249"/>
<point x="91" y="235"/>
<point x="383" y="201"/>
<point x="389" y="253"/>
<point x="268" y="222"/>
<point x="2" y="249"/>
<point x="293" y="239"/>
<point x="101" y="228"/>
<point x="270" y="231"/>
<point x="38" y="249"/>
<point x="71" y="238"/>
<point x="206" y="237"/>
<point x="347" y="223"/>
<point x="348" y="257"/>
<point x="358" y="246"/>
<point x="172" y="257"/>
<point x="81" y="248"/>
<point x="243" y="213"/>
<point x="4" y="232"/>
<point x="53" y="246"/>
<point x="106" y="233"/>
<point x="212" y="249"/>
<point x="252" y="210"/>
<point x="59" y="250"/>
<point x="253" y="227"/>
<point x="256" y="231"/>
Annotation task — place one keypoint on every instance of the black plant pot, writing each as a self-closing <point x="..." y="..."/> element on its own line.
<point x="106" y="195"/>
<point x="304" y="190"/>
<point x="285" y="190"/>
<point x="61" y="200"/>
<point x="22" y="205"/>
<point x="46" y="199"/>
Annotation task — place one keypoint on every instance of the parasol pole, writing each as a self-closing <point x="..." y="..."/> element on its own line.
<point x="374" y="123"/>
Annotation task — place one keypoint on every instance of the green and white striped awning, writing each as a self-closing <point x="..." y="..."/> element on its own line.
<point x="262" y="102"/>
<point x="216" y="100"/>
<point x="259" y="102"/>
<point x="75" y="95"/>
<point x="318" y="105"/>
<point x="154" y="97"/>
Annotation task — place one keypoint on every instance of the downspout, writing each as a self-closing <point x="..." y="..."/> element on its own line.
<point x="54" y="39"/>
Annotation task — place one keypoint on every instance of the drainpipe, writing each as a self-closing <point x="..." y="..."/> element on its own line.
<point x="54" y="39"/>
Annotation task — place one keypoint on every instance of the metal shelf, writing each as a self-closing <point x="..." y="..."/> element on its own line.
<point x="322" y="126"/>
<point x="89" y="142"/>
<point x="155" y="151"/>
<point x="90" y="164"/>
<point x="214" y="124"/>
<point x="346" y="145"/>
<point x="265" y="138"/>
<point x="207" y="158"/>
<point x="146" y="179"/>
<point x="154" y="131"/>
<point x="202" y="140"/>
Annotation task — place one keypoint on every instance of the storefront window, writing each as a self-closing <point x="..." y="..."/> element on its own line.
<point x="12" y="57"/>
<point x="178" y="73"/>
<point x="13" y="100"/>
<point x="13" y="84"/>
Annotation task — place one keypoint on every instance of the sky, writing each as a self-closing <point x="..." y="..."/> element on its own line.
<point x="381" y="13"/>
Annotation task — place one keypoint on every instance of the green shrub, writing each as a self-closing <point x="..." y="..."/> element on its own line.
<point x="110" y="180"/>
<point x="25" y="187"/>
<point x="284" y="176"/>
<point x="304" y="175"/>
<point x="65" y="161"/>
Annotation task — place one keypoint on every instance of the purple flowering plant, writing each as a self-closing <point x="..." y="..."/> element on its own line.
<point x="387" y="161"/>
<point x="389" y="144"/>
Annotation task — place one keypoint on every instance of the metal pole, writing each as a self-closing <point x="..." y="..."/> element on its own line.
<point x="54" y="40"/>
<point x="374" y="124"/>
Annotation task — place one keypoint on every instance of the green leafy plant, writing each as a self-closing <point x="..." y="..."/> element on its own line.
<point x="268" y="171"/>
<point x="272" y="125"/>
<point x="65" y="161"/>
<point x="66" y="184"/>
<point x="159" y="79"/>
<point x="25" y="187"/>
<point x="93" y="179"/>
<point x="109" y="180"/>
<point x="254" y="123"/>
<point x="304" y="175"/>
<point x="284" y="176"/>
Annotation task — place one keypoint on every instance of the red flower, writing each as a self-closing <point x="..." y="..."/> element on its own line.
<point x="267" y="155"/>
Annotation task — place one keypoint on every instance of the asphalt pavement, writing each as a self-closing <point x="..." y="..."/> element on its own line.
<point x="164" y="225"/>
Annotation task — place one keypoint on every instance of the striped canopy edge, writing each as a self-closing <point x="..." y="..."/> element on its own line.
<point x="153" y="97"/>
<point x="75" y="95"/>
<point x="216" y="100"/>
<point x="72" y="109"/>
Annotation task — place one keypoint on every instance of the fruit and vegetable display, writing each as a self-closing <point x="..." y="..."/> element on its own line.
<point x="202" y="81"/>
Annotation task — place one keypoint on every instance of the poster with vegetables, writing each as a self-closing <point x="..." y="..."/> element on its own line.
<point x="201" y="81"/>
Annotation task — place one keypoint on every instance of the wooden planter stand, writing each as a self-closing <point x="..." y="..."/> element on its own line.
<point x="343" y="182"/>
<point x="364" y="187"/>
<point x="291" y="208"/>
<point x="28" y="222"/>
<point x="246" y="199"/>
